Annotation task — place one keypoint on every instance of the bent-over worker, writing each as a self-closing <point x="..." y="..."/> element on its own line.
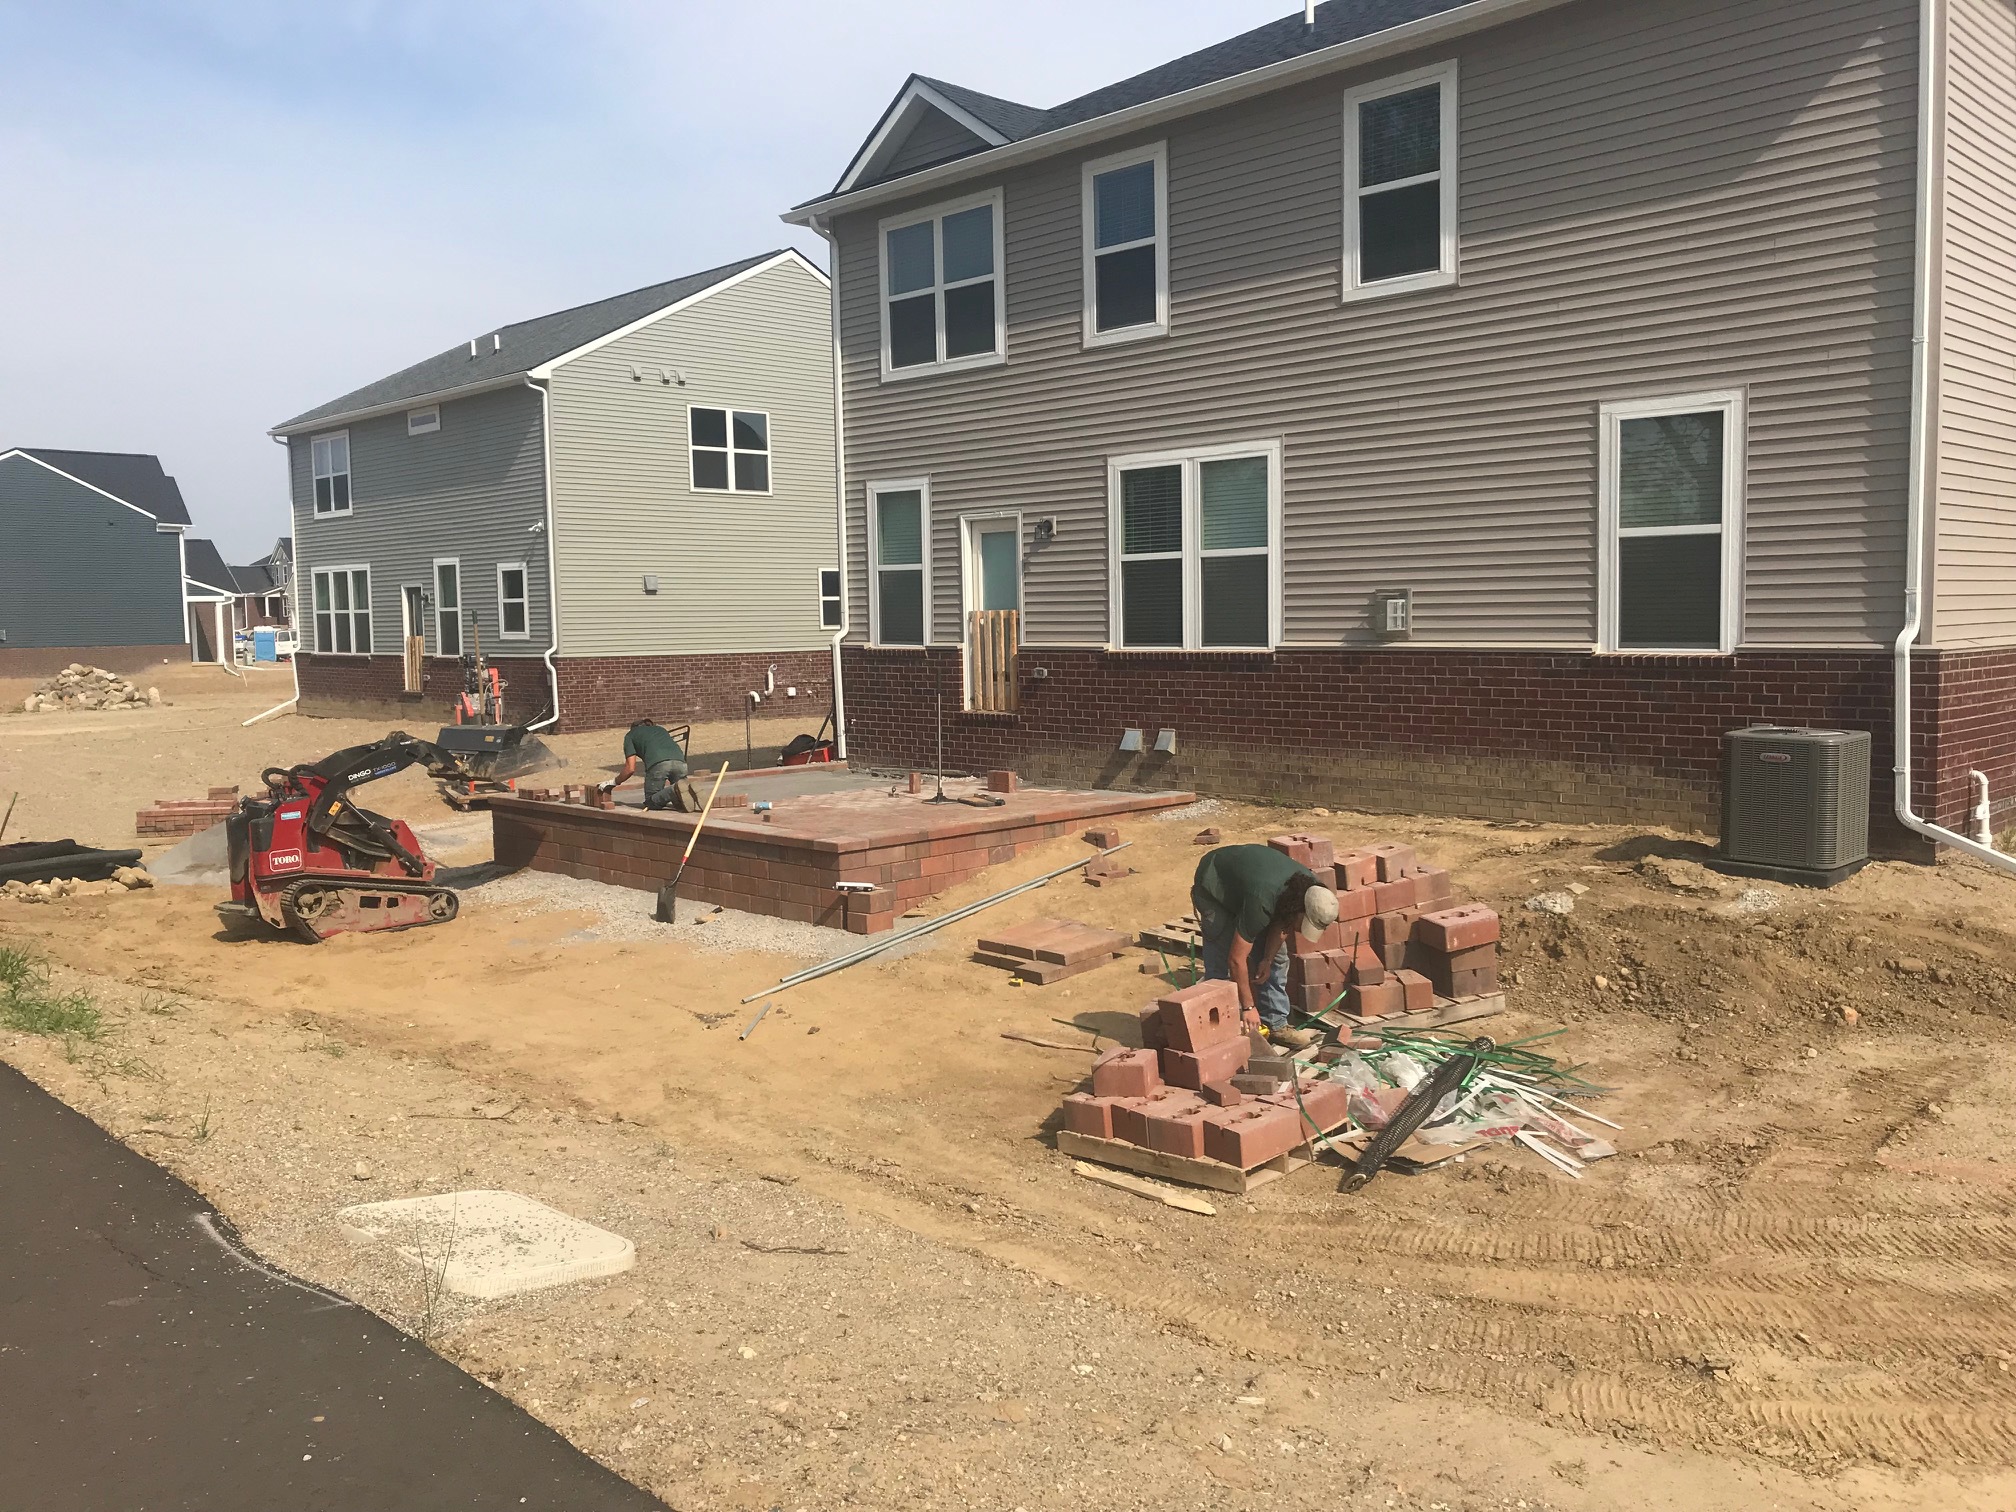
<point x="1247" y="898"/>
<point x="650" y="745"/>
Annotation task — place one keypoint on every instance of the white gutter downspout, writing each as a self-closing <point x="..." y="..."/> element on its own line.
<point x="824" y="229"/>
<point x="293" y="561"/>
<point x="552" y="577"/>
<point x="1921" y="445"/>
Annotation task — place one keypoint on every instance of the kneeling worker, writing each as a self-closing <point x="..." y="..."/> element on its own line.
<point x="651" y="746"/>
<point x="1247" y="898"/>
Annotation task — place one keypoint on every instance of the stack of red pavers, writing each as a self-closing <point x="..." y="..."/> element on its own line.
<point x="1400" y="940"/>
<point x="177" y="819"/>
<point x="1185" y="1092"/>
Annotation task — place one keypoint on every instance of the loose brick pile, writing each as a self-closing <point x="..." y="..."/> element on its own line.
<point x="177" y="819"/>
<point x="1201" y="1088"/>
<point x="1400" y="941"/>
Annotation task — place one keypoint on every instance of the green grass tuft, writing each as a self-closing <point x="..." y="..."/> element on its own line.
<point x="29" y="1005"/>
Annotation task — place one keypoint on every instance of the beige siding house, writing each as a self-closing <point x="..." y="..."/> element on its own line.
<point x="629" y="506"/>
<point x="1475" y="406"/>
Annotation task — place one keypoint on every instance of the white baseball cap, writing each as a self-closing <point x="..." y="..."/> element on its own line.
<point x="1319" y="912"/>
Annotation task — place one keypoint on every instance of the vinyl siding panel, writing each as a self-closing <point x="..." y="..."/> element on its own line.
<point x="1976" y="572"/>
<point x="1656" y="198"/>
<point x="79" y="569"/>
<point x="936" y="138"/>
<point x="472" y="490"/>
<point x="736" y="572"/>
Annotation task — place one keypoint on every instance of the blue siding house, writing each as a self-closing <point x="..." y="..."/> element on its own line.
<point x="92" y="569"/>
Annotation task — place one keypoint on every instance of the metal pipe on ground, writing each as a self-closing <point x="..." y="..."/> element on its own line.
<point x="840" y="963"/>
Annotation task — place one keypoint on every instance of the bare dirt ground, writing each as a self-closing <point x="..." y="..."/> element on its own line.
<point x="865" y="1277"/>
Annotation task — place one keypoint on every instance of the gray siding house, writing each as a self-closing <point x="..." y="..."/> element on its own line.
<point x="91" y="566"/>
<point x="630" y="505"/>
<point x="1475" y="407"/>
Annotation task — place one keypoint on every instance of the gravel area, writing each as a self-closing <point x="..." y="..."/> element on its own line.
<point x="624" y="913"/>
<point x="1203" y="808"/>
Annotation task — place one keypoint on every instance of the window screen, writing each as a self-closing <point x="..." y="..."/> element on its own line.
<point x="1400" y="166"/>
<point x="1126" y="247"/>
<point x="899" y="567"/>
<point x="1672" y="482"/>
<point x="730" y="450"/>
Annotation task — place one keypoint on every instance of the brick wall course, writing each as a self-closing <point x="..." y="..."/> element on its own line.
<point x="1486" y="734"/>
<point x="596" y="692"/>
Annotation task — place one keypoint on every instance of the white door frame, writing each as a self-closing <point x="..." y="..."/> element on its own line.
<point x="969" y="581"/>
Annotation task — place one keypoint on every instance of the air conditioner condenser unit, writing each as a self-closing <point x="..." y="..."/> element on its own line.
<point x="1795" y="804"/>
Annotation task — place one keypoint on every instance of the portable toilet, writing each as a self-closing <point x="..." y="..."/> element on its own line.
<point x="264" y="646"/>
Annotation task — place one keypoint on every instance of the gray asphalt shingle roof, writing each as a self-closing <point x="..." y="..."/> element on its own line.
<point x="523" y="346"/>
<point x="135" y="478"/>
<point x="1277" y="41"/>
<point x="254" y="578"/>
<point x="202" y="563"/>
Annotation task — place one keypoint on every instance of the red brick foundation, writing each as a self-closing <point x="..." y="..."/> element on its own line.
<point x="373" y="687"/>
<point x="604" y="692"/>
<point x="1488" y="734"/>
<point x="40" y="661"/>
<point x="596" y="692"/>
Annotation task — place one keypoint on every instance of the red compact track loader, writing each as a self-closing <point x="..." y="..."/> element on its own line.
<point x="307" y="860"/>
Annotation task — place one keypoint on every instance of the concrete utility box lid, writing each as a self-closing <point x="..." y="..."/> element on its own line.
<point x="491" y="1244"/>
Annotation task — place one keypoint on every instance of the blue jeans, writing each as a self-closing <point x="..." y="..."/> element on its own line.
<point x="661" y="781"/>
<point x="1217" y="927"/>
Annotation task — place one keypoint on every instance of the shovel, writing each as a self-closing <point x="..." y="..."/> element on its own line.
<point x="668" y="895"/>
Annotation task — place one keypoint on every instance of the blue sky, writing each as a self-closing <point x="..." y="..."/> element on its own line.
<point x="219" y="213"/>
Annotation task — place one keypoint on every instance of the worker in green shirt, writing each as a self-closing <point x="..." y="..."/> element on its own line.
<point x="650" y="745"/>
<point x="1247" y="898"/>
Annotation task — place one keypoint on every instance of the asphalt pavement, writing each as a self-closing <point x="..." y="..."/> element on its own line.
<point x="149" y="1363"/>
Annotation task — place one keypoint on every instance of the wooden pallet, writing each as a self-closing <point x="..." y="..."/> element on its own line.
<point x="1177" y="937"/>
<point x="1414" y="1155"/>
<point x="1050" y="950"/>
<point x="1215" y="1174"/>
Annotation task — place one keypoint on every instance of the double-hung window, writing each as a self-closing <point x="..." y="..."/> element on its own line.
<point x="343" y="611"/>
<point x="447" y="607"/>
<point x="829" y="598"/>
<point x="1126" y="230"/>
<point x="899" y="537"/>
<point x="1671" y="507"/>
<point x="942" y="304"/>
<point x="514" y="621"/>
<point x="331" y="462"/>
<point x="1196" y="554"/>
<point x="731" y="449"/>
<point x="1400" y="184"/>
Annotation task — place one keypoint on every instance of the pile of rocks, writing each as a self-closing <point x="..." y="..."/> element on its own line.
<point x="80" y="687"/>
<point x="125" y="879"/>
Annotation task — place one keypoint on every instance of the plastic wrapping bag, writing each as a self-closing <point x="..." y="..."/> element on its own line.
<point x="1494" y="1115"/>
<point x="1403" y="1070"/>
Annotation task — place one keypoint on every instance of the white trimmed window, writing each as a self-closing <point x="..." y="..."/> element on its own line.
<point x="514" y="610"/>
<point x="447" y="606"/>
<point x="1126" y="235"/>
<point x="830" y="617"/>
<point x="942" y="302"/>
<point x="1400" y="184"/>
<point x="330" y="457"/>
<point x="423" y="422"/>
<point x="899" y="548"/>
<point x="1671" y="506"/>
<point x="1196" y="549"/>
<point x="731" y="449"/>
<point x="343" y="611"/>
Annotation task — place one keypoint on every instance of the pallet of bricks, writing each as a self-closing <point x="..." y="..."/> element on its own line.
<point x="1202" y="1100"/>
<point x="1402" y="947"/>
<point x="177" y="819"/>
